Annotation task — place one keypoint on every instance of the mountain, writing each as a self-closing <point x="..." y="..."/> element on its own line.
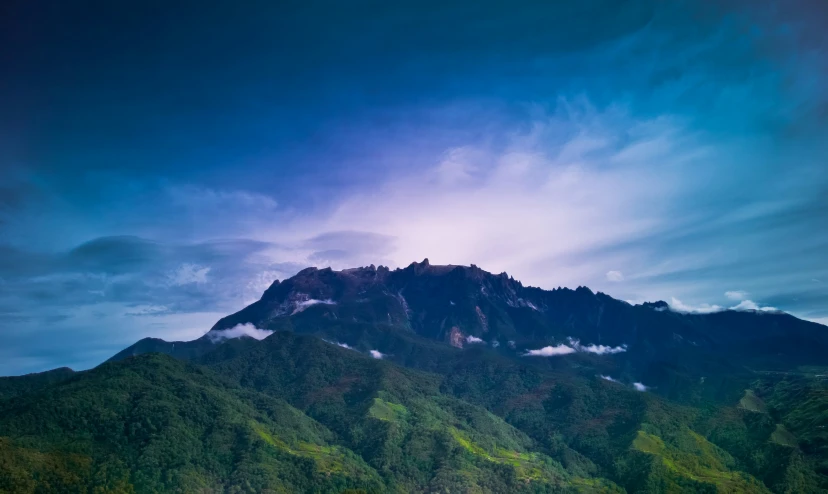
<point x="682" y="356"/>
<point x="453" y="303"/>
<point x="435" y="379"/>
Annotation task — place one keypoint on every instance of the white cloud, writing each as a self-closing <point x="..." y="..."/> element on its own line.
<point x="377" y="354"/>
<point x="574" y="346"/>
<point x="550" y="351"/>
<point x="736" y="295"/>
<point x="304" y="304"/>
<point x="189" y="273"/>
<point x="745" y="305"/>
<point x="238" y="331"/>
<point x="679" y="306"/>
<point x="599" y="349"/>
<point x="615" y="276"/>
<point x="751" y="305"/>
<point x="608" y="378"/>
<point x="640" y="387"/>
<point x="474" y="339"/>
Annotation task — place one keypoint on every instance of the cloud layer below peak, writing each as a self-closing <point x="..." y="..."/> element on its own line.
<point x="239" y="331"/>
<point x="573" y="347"/>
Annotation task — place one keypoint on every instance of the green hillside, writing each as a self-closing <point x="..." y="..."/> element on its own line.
<point x="154" y="424"/>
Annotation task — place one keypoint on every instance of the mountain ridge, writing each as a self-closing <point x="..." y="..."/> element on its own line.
<point x="466" y="306"/>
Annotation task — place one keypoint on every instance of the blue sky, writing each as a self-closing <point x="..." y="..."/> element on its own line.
<point x="161" y="164"/>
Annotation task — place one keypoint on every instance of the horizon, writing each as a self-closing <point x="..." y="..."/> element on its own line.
<point x="162" y="164"/>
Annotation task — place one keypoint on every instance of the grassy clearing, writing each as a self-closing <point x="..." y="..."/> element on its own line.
<point x="752" y="403"/>
<point x="388" y="411"/>
<point x="783" y="437"/>
<point x="528" y="466"/>
<point x="328" y="459"/>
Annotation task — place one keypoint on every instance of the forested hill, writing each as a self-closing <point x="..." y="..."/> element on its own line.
<point x="434" y="379"/>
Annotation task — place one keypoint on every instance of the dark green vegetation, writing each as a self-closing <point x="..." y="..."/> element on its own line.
<point x="732" y="408"/>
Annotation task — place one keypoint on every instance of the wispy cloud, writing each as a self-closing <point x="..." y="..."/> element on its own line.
<point x="377" y="354"/>
<point x="474" y="339"/>
<point x="615" y="276"/>
<point x="304" y="304"/>
<point x="597" y="349"/>
<point x="640" y="387"/>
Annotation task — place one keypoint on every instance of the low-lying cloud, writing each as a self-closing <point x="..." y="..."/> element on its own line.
<point x="751" y="305"/>
<point x="300" y="306"/>
<point x="474" y="339"/>
<point x="550" y="351"/>
<point x="573" y="347"/>
<point x="745" y="303"/>
<point x="598" y="349"/>
<point x="337" y="343"/>
<point x="608" y="378"/>
<point x="377" y="354"/>
<point x="640" y="387"/>
<point x="238" y="331"/>
<point x="677" y="305"/>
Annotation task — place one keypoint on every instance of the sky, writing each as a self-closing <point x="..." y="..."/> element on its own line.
<point x="161" y="163"/>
